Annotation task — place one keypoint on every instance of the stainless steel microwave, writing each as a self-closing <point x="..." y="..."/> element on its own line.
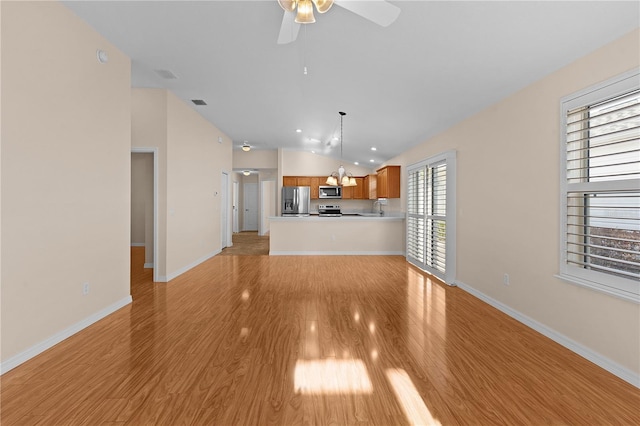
<point x="330" y="192"/>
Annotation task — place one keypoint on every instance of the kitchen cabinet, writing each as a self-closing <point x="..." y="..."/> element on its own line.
<point x="388" y="182"/>
<point x="312" y="181"/>
<point x="369" y="187"/>
<point x="304" y="181"/>
<point x="289" y="181"/>
<point x="354" y="192"/>
<point x="315" y="187"/>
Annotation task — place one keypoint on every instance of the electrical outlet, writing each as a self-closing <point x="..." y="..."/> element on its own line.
<point x="505" y="279"/>
<point x="85" y="289"/>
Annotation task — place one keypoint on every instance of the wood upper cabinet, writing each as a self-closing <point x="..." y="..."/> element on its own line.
<point x="311" y="181"/>
<point x="289" y="181"/>
<point x="304" y="181"/>
<point x="315" y="187"/>
<point x="369" y="187"/>
<point x="388" y="182"/>
<point x="358" y="190"/>
<point x="347" y="192"/>
<point x="354" y="192"/>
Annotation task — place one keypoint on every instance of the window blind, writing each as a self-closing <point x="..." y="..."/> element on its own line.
<point x="602" y="188"/>
<point x="430" y="216"/>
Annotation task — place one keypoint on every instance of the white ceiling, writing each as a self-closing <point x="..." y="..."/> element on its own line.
<point x="438" y="63"/>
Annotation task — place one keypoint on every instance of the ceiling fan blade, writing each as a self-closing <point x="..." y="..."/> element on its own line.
<point x="289" y="28"/>
<point x="378" y="11"/>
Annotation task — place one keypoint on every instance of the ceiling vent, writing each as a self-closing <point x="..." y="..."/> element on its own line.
<point x="166" y="74"/>
<point x="198" y="101"/>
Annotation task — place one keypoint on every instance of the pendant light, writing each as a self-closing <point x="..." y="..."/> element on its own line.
<point x="304" y="14"/>
<point x="341" y="177"/>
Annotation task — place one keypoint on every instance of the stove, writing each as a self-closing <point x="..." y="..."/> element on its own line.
<point x="329" y="210"/>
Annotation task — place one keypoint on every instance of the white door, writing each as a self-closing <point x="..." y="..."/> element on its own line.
<point x="250" y="222"/>
<point x="236" y="220"/>
<point x="224" y="209"/>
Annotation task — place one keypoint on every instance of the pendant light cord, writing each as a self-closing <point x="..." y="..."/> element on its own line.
<point x="342" y="114"/>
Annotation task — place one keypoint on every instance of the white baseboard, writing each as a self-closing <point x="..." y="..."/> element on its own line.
<point x="148" y="265"/>
<point x="184" y="269"/>
<point x="37" y="349"/>
<point x="137" y="244"/>
<point x="585" y="352"/>
<point x="335" y="253"/>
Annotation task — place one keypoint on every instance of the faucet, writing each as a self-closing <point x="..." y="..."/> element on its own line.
<point x="380" y="211"/>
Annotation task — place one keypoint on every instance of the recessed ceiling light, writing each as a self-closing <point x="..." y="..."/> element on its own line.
<point x="313" y="152"/>
<point x="372" y="161"/>
<point x="356" y="163"/>
<point x="373" y="148"/>
<point x="298" y="130"/>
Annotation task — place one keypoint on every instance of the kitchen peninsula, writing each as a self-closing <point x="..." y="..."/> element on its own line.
<point x="362" y="234"/>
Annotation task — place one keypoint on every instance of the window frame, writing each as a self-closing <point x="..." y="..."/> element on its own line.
<point x="625" y="288"/>
<point x="448" y="158"/>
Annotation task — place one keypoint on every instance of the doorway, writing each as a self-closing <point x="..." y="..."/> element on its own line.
<point x="250" y="214"/>
<point x="144" y="207"/>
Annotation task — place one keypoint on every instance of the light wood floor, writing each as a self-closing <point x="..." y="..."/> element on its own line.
<point x="259" y="340"/>
<point x="247" y="243"/>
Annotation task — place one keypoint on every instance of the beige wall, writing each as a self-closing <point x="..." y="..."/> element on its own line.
<point x="149" y="130"/>
<point x="195" y="167"/>
<point x="508" y="207"/>
<point x="302" y="163"/>
<point x="255" y="159"/>
<point x="65" y="174"/>
<point x="190" y="170"/>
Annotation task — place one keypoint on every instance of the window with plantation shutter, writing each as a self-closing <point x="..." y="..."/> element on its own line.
<point x="600" y="244"/>
<point x="431" y="216"/>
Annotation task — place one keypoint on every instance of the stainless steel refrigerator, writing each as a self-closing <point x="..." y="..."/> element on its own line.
<point x="296" y="200"/>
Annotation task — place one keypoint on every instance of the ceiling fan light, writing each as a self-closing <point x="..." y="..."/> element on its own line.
<point x="246" y="172"/>
<point x="246" y="147"/>
<point x="287" y="5"/>
<point x="305" y="12"/>
<point x="323" y="5"/>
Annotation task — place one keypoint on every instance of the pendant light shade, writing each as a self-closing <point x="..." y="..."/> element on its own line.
<point x="305" y="8"/>
<point x="305" y="12"/>
<point x="332" y="180"/>
<point x="287" y="5"/>
<point x="323" y="5"/>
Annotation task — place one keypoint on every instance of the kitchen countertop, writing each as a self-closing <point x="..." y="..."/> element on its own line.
<point x="345" y="216"/>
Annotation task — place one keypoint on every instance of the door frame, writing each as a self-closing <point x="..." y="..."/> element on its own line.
<point x="225" y="203"/>
<point x="154" y="152"/>
<point x="235" y="220"/>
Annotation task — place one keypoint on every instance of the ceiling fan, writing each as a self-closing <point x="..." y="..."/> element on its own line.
<point x="378" y="11"/>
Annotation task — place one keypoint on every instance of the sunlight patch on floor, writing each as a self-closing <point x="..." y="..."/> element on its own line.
<point x="332" y="377"/>
<point x="409" y="399"/>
